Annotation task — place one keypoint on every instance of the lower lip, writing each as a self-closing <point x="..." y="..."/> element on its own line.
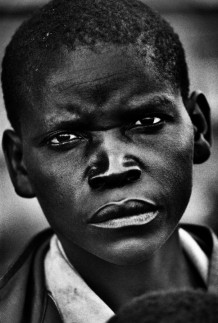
<point x="130" y="221"/>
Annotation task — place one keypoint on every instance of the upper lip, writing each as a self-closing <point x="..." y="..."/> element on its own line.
<point x="120" y="209"/>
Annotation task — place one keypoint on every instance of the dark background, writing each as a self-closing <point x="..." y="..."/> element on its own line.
<point x="196" y="21"/>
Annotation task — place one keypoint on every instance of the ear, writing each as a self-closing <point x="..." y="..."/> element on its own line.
<point x="199" y="112"/>
<point x="13" y="150"/>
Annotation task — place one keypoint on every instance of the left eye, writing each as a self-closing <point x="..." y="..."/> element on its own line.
<point x="148" y="121"/>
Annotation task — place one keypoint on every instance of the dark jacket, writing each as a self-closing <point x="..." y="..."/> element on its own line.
<point x="23" y="295"/>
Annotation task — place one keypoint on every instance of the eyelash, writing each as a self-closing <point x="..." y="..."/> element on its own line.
<point x="157" y="121"/>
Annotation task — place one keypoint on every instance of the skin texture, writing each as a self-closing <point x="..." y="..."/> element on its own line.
<point x="102" y="115"/>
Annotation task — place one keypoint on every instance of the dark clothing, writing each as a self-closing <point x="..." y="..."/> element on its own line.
<point x="23" y="294"/>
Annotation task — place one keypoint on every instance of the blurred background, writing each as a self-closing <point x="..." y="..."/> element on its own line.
<point x="196" y="21"/>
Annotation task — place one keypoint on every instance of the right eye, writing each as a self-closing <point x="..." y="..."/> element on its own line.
<point x="63" y="139"/>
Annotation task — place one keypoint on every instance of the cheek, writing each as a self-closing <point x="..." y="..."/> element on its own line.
<point x="176" y="177"/>
<point x="180" y="154"/>
<point x="58" y="184"/>
<point x="168" y="159"/>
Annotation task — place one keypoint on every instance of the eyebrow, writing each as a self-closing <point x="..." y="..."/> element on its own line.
<point x="57" y="126"/>
<point x="155" y="100"/>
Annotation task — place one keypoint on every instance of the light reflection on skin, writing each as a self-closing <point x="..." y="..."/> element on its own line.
<point x="101" y="115"/>
<point x="163" y="153"/>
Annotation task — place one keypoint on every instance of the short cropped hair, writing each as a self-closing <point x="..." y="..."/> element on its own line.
<point x="72" y="23"/>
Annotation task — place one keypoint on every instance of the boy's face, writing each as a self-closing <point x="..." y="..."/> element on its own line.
<point x="108" y="134"/>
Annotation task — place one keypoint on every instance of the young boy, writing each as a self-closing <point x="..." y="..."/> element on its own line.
<point x="105" y="136"/>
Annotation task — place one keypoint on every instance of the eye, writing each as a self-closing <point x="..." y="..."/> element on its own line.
<point x="148" y="121"/>
<point x="63" y="139"/>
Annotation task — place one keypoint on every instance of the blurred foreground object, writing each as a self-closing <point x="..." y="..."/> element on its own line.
<point x="179" y="306"/>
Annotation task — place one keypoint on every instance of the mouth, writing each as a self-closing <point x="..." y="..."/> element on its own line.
<point x="125" y="213"/>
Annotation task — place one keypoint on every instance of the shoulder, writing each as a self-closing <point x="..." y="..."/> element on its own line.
<point x="34" y="246"/>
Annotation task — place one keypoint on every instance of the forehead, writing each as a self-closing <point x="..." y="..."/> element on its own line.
<point x="85" y="82"/>
<point x="90" y="68"/>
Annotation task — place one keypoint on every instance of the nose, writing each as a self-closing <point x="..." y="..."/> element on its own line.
<point x="118" y="168"/>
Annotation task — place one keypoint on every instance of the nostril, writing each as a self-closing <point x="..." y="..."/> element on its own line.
<point x="133" y="175"/>
<point x="96" y="182"/>
<point x="115" y="179"/>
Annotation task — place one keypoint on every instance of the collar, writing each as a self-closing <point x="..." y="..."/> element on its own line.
<point x="195" y="254"/>
<point x="73" y="297"/>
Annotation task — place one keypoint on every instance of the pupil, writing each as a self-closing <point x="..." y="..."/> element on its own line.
<point x="64" y="137"/>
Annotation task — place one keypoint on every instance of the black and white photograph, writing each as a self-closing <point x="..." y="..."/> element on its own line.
<point x="109" y="161"/>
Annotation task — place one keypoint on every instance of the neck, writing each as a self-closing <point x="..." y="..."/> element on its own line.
<point x="166" y="269"/>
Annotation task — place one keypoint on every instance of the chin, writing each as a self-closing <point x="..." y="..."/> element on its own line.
<point x="131" y="252"/>
<point x="135" y="245"/>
